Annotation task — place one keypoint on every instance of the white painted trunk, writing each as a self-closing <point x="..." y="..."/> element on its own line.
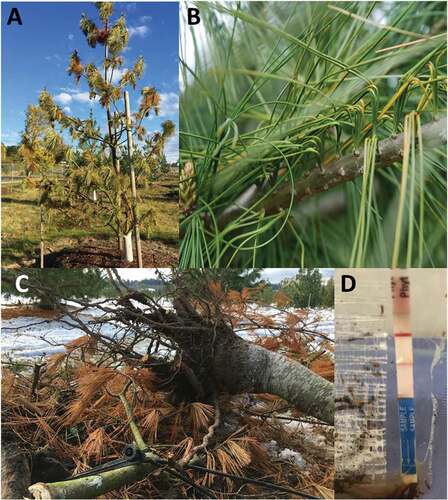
<point x="127" y="247"/>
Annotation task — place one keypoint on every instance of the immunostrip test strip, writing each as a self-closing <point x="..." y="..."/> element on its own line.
<point x="405" y="378"/>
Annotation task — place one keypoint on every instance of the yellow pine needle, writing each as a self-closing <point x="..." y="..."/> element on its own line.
<point x="411" y="192"/>
<point x="241" y="456"/>
<point x="151" y="424"/>
<point x="404" y="178"/>
<point x="200" y="414"/>
<point x="421" y="219"/>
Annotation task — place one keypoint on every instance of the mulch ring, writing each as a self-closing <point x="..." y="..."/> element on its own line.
<point x="99" y="253"/>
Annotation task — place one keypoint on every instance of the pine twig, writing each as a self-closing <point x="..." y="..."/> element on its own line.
<point x="345" y="169"/>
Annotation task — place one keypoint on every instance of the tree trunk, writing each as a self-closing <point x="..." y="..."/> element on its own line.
<point x="242" y="366"/>
<point x="215" y="352"/>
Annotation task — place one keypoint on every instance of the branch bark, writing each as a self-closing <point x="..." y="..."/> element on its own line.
<point x="245" y="367"/>
<point x="238" y="366"/>
<point x="345" y="169"/>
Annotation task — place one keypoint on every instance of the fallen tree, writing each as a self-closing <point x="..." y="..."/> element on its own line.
<point x="195" y="362"/>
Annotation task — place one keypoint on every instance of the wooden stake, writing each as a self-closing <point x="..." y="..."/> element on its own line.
<point x="118" y="172"/>
<point x="42" y="244"/>
<point x="133" y="184"/>
<point x="405" y="377"/>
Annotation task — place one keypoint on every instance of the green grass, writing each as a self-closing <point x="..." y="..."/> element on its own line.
<point x="162" y="199"/>
<point x="21" y="221"/>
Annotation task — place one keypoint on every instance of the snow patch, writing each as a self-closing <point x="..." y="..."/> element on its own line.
<point x="276" y="452"/>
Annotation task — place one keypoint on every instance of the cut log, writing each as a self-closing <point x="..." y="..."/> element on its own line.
<point x="92" y="486"/>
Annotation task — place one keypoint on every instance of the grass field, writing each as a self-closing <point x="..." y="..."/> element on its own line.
<point x="20" y="222"/>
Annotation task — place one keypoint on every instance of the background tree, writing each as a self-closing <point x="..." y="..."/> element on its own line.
<point x="40" y="149"/>
<point x="49" y="288"/>
<point x="327" y="295"/>
<point x="305" y="290"/>
<point x="11" y="153"/>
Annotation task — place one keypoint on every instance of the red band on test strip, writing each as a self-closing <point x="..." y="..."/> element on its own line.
<point x="403" y="334"/>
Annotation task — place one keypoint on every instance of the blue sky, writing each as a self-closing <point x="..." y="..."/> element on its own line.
<point x="35" y="56"/>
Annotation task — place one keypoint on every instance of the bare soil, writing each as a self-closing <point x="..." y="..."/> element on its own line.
<point x="93" y="252"/>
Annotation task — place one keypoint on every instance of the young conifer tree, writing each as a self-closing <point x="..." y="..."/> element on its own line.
<point x="41" y="148"/>
<point x="99" y="161"/>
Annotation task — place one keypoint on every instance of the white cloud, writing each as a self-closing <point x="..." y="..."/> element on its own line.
<point x="82" y="97"/>
<point x="70" y="90"/>
<point x="71" y="36"/>
<point x="169" y="104"/>
<point x="118" y="73"/>
<point x="53" y="57"/>
<point x="63" y="98"/>
<point x="141" y="31"/>
<point x="145" y="19"/>
<point x="172" y="148"/>
<point x="131" y="6"/>
<point x="66" y="109"/>
<point x="10" y="138"/>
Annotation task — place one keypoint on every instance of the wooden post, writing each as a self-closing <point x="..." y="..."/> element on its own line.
<point x="118" y="172"/>
<point x="133" y="184"/>
<point x="120" y="232"/>
<point x="42" y="245"/>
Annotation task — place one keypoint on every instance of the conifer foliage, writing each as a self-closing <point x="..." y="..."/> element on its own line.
<point x="96" y="175"/>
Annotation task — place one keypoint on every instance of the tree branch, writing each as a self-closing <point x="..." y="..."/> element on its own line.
<point x="95" y="485"/>
<point x="350" y="166"/>
<point x="345" y="169"/>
